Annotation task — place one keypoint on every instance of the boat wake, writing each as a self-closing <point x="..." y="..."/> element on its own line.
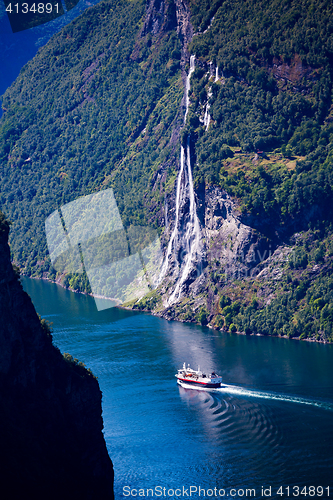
<point x="240" y="391"/>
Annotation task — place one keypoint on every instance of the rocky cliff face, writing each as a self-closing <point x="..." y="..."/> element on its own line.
<point x="233" y="246"/>
<point x="51" y="425"/>
<point x="233" y="250"/>
<point x="203" y="233"/>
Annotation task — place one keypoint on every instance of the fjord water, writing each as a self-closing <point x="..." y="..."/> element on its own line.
<point x="273" y="427"/>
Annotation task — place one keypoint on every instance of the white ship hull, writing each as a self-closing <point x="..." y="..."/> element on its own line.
<point x="198" y="378"/>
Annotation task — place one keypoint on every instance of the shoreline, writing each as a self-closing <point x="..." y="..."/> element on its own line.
<point x="313" y="341"/>
<point x="71" y="290"/>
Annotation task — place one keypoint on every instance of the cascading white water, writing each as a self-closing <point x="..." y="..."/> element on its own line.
<point x="192" y="236"/>
<point x="172" y="245"/>
<point x="172" y="240"/>
<point x="188" y="85"/>
<point x="206" y="120"/>
<point x="210" y="71"/>
<point x="207" y="115"/>
<point x="191" y="241"/>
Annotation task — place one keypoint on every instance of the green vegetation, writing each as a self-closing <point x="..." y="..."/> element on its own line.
<point x="273" y="96"/>
<point x="46" y="326"/>
<point x="296" y="302"/>
<point x="274" y="93"/>
<point x="78" y="366"/>
<point x="4" y="224"/>
<point x="99" y="107"/>
<point x="292" y="198"/>
<point x="202" y="316"/>
<point x="94" y="109"/>
<point x="148" y="303"/>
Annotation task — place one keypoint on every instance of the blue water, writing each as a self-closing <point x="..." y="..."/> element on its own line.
<point x="16" y="49"/>
<point x="271" y="426"/>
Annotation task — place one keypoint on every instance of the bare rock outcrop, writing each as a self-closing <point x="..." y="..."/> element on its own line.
<point x="234" y="246"/>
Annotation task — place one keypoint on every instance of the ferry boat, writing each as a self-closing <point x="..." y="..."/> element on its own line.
<point x="197" y="377"/>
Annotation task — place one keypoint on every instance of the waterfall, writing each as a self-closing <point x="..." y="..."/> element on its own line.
<point x="190" y="242"/>
<point x="206" y="120"/>
<point x="210" y="71"/>
<point x="207" y="115"/>
<point x="193" y="233"/>
<point x="172" y="240"/>
<point x="188" y="85"/>
<point x="172" y="245"/>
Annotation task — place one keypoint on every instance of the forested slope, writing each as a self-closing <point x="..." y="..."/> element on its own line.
<point x="101" y="106"/>
<point x="93" y="110"/>
<point x="276" y="59"/>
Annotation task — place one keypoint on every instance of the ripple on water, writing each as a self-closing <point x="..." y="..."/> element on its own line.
<point x="159" y="433"/>
<point x="235" y="421"/>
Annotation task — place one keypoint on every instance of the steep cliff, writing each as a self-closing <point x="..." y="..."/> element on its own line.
<point x="212" y="122"/>
<point x="51" y="442"/>
<point x="260" y="155"/>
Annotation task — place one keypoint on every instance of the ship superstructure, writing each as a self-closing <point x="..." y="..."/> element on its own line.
<point x="197" y="377"/>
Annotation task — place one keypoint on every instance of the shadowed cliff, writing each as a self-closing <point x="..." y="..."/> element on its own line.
<point x="51" y="440"/>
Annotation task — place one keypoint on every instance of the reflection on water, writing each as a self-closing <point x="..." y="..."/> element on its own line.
<point x="269" y="426"/>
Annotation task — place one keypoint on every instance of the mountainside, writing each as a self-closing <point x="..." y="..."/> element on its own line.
<point x="51" y="414"/>
<point x="240" y="193"/>
<point x="17" y="48"/>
